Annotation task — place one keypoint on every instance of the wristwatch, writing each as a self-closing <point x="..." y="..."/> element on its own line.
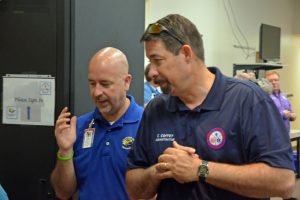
<point x="203" y="170"/>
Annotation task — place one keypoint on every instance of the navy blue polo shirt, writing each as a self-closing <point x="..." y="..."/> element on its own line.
<point x="237" y="123"/>
<point x="100" y="169"/>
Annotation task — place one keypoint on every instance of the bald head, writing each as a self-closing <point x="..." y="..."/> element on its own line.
<point x="109" y="81"/>
<point x="111" y="57"/>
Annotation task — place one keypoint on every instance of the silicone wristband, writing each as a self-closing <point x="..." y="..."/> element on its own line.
<point x="64" y="158"/>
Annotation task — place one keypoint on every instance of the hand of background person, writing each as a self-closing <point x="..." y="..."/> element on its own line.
<point x="289" y="115"/>
<point x="178" y="162"/>
<point x="65" y="132"/>
<point x="286" y="114"/>
<point x="292" y="116"/>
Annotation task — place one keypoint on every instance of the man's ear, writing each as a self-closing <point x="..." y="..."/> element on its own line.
<point x="187" y="51"/>
<point x="127" y="82"/>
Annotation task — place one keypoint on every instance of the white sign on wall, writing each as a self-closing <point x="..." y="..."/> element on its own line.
<point x="28" y="99"/>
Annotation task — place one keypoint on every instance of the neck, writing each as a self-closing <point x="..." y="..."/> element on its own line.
<point x="276" y="92"/>
<point x="199" y="88"/>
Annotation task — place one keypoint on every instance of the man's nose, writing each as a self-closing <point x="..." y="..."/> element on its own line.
<point x="154" y="71"/>
<point x="98" y="90"/>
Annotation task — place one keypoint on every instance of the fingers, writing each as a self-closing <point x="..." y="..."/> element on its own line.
<point x="162" y="167"/>
<point x="65" y="109"/>
<point x="189" y="150"/>
<point x="165" y="158"/>
<point x="172" y="153"/>
<point x="73" y="124"/>
<point x="64" y="114"/>
<point x="177" y="162"/>
<point x="162" y="171"/>
<point x="293" y="115"/>
<point x="63" y="120"/>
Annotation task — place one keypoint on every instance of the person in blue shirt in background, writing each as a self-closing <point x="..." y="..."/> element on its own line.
<point x="92" y="154"/>
<point x="151" y="87"/>
<point x="3" y="195"/>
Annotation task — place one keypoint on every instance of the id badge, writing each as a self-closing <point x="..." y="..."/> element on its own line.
<point x="88" y="138"/>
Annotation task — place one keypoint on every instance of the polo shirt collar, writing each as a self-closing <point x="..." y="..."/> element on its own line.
<point x="213" y="100"/>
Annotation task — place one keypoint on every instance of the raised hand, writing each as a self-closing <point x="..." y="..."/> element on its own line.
<point x="65" y="132"/>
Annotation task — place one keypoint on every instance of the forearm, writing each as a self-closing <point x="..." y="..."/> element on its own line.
<point x="255" y="180"/>
<point x="63" y="179"/>
<point x="142" y="183"/>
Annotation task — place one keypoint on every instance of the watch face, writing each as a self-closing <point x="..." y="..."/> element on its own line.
<point x="203" y="170"/>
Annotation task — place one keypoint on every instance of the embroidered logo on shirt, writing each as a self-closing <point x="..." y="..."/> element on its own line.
<point x="127" y="142"/>
<point x="164" y="137"/>
<point x="216" y="138"/>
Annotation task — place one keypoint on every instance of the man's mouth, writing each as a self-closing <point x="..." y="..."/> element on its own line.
<point x="102" y="101"/>
<point x="159" y="80"/>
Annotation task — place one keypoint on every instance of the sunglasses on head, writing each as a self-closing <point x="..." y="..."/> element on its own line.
<point x="157" y="28"/>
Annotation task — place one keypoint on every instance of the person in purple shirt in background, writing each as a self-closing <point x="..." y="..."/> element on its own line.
<point x="280" y="100"/>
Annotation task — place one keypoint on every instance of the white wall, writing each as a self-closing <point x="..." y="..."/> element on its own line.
<point x="297" y="17"/>
<point x="211" y="20"/>
<point x="291" y="75"/>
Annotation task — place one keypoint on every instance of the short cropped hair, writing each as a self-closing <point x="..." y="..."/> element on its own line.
<point x="184" y="29"/>
<point x="271" y="72"/>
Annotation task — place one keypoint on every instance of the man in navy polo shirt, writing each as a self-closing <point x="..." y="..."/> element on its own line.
<point x="214" y="137"/>
<point x="92" y="155"/>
